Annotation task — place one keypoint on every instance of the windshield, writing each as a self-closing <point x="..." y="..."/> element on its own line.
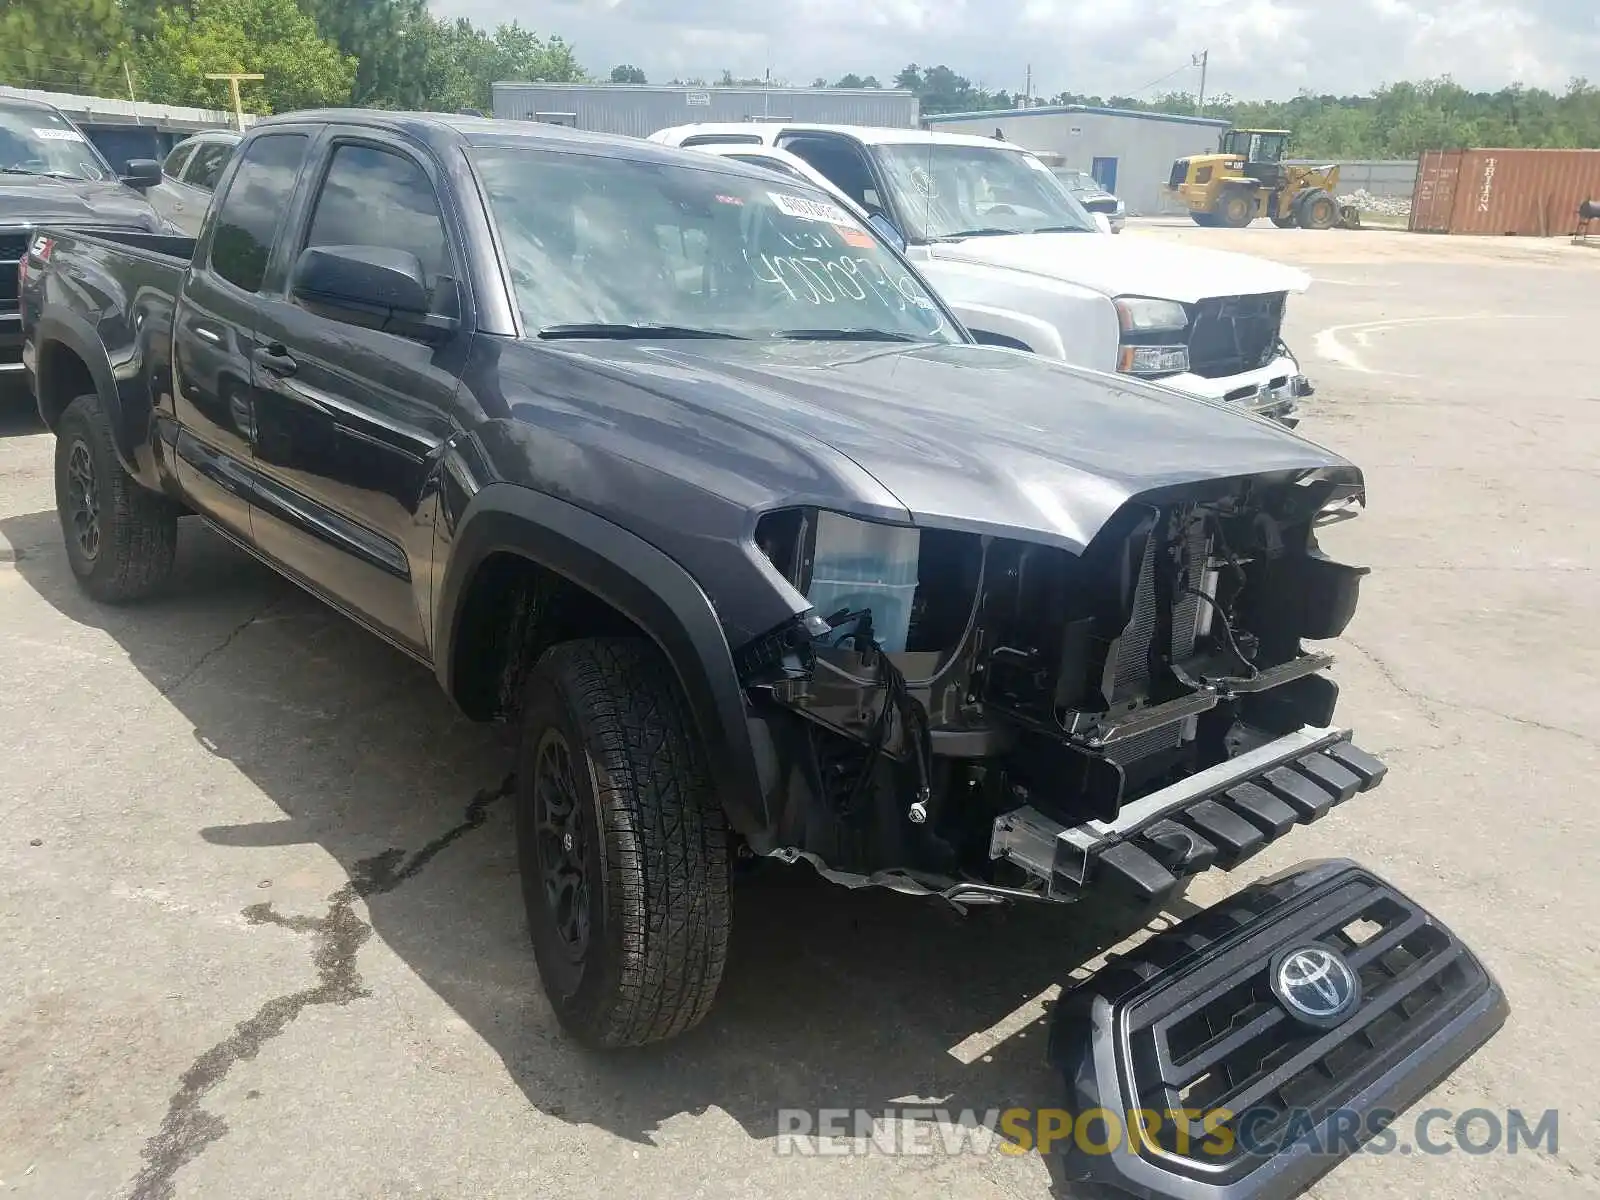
<point x="949" y="191"/>
<point x="38" y="141"/>
<point x="594" y="242"/>
<point x="1077" y="181"/>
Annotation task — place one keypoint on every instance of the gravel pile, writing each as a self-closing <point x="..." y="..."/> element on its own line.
<point x="1386" y="206"/>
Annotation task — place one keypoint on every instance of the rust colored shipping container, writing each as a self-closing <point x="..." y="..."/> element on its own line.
<point x="1532" y="193"/>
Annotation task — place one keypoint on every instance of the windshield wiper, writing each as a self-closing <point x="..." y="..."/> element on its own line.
<point x="644" y="329"/>
<point x="38" y="174"/>
<point x="967" y="233"/>
<point x="845" y="335"/>
<point x="1062" y="229"/>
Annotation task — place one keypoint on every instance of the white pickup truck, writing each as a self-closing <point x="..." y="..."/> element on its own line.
<point x="1020" y="260"/>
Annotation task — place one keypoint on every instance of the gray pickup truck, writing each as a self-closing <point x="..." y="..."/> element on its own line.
<point x="685" y="474"/>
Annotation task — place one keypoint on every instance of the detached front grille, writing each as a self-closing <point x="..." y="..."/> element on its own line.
<point x="1232" y="1046"/>
<point x="1234" y="1095"/>
<point x="1230" y="335"/>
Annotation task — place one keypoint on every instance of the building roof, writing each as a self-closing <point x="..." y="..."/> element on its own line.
<point x="678" y="89"/>
<point x="1058" y="109"/>
<point x="105" y="110"/>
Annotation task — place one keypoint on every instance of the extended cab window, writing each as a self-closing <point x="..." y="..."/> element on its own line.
<point x="374" y="197"/>
<point x="206" y="168"/>
<point x="173" y="167"/>
<point x="256" y="200"/>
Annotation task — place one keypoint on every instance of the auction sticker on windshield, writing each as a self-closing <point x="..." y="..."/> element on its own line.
<point x="58" y="135"/>
<point x="810" y="210"/>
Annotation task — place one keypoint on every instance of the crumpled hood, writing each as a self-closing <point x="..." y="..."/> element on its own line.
<point x="963" y="437"/>
<point x="41" y="200"/>
<point x="1129" y="266"/>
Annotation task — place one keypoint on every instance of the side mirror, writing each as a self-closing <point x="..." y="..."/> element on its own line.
<point x="1101" y="222"/>
<point x="377" y="288"/>
<point x="142" y="173"/>
<point x="887" y="231"/>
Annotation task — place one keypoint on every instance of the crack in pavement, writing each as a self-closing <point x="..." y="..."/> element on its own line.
<point x="188" y="1129"/>
<point x="1429" y="705"/>
<point x="232" y="635"/>
<point x="1425" y="704"/>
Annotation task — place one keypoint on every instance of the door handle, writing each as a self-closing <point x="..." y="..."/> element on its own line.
<point x="274" y="359"/>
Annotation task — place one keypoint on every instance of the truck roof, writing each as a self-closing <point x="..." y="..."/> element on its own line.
<point x="872" y="135"/>
<point x="444" y="130"/>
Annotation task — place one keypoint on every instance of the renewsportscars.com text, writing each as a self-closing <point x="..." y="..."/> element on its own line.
<point x="1193" y="1133"/>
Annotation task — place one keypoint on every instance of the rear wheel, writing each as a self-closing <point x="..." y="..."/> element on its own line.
<point x="1206" y="219"/>
<point x="1287" y="221"/>
<point x="1236" y="208"/>
<point x="622" y="846"/>
<point x="120" y="538"/>
<point x="1317" y="210"/>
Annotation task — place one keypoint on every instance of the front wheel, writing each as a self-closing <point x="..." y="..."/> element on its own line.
<point x="121" y="539"/>
<point x="621" y="844"/>
<point x="1236" y="208"/>
<point x="1317" y="210"/>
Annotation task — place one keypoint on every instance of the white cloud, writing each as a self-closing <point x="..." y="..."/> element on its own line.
<point x="1258" y="48"/>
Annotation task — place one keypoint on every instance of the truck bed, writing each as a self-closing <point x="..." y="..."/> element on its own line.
<point x="178" y="250"/>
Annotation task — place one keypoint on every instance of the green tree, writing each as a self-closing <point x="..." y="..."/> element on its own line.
<point x="387" y="38"/>
<point x="271" y="37"/>
<point x="627" y="74"/>
<point x="63" y="45"/>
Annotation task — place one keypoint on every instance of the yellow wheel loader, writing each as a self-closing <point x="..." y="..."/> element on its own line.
<point x="1247" y="178"/>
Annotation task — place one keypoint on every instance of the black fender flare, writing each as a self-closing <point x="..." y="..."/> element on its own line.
<point x="69" y="330"/>
<point x="639" y="581"/>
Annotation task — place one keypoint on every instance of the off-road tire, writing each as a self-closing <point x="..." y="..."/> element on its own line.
<point x="135" y="531"/>
<point x="1236" y="208"/>
<point x="652" y="839"/>
<point x="1317" y="209"/>
<point x="1290" y="221"/>
<point x="1204" y="219"/>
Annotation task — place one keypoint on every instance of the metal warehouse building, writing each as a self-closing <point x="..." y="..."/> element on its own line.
<point x="1129" y="153"/>
<point x="641" y="109"/>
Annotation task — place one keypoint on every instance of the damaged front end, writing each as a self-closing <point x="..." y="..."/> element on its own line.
<point x="990" y="718"/>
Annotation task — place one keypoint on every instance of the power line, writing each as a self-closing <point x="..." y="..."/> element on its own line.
<point x="1188" y="66"/>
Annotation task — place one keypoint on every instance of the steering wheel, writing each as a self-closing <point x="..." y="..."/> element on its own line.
<point x="1003" y="210"/>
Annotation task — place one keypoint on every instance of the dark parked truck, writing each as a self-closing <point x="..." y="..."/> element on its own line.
<point x="51" y="174"/>
<point x="683" y="472"/>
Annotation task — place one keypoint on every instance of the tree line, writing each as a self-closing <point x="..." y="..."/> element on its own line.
<point x="368" y="53"/>
<point x="1397" y="121"/>
<point x="396" y="54"/>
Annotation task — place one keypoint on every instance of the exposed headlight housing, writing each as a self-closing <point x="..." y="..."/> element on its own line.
<point x="1154" y="336"/>
<point x="1141" y="314"/>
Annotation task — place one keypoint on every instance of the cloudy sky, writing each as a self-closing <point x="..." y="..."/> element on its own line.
<point x="1259" y="48"/>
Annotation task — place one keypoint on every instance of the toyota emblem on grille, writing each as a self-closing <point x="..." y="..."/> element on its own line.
<point x="1315" y="985"/>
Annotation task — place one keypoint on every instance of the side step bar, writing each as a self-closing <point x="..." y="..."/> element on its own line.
<point x="1259" y="1043"/>
<point x="1221" y="817"/>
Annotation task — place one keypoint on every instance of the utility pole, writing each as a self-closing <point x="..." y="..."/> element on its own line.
<point x="1028" y="89"/>
<point x="234" y="80"/>
<point x="1199" y="60"/>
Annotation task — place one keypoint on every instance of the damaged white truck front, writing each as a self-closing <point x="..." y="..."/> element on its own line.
<point x="993" y="231"/>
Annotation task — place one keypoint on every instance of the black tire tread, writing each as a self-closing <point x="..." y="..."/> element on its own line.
<point x="139" y="529"/>
<point x="665" y="837"/>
